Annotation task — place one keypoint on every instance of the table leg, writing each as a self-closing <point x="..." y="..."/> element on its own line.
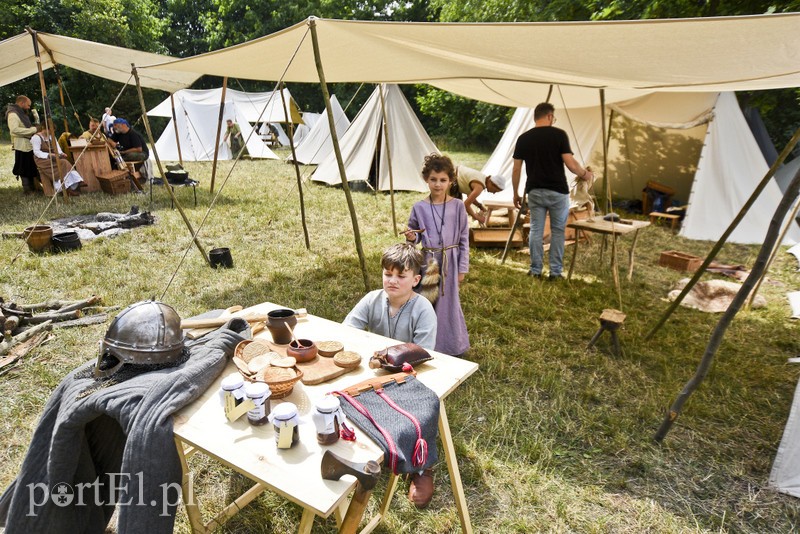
<point x="377" y="519"/>
<point x="603" y="248"/>
<point x="574" y="255"/>
<point x="306" y="522"/>
<point x="614" y="272"/>
<point x="187" y="491"/>
<point x="630" y="254"/>
<point x="452" y="468"/>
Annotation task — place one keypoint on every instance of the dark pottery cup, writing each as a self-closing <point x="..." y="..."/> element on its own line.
<point x="281" y="323"/>
<point x="220" y="257"/>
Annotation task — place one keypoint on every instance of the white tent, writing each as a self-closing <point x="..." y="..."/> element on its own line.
<point x="283" y="138"/>
<point x="408" y="143"/>
<point x="197" y="112"/>
<point x="785" y="474"/>
<point x="696" y="143"/>
<point x="317" y="145"/>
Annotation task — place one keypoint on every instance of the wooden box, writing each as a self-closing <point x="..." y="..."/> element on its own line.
<point x="115" y="182"/>
<point x="493" y="237"/>
<point x="680" y="261"/>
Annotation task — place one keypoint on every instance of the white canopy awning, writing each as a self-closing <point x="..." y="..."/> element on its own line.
<point x="105" y="61"/>
<point x="487" y="61"/>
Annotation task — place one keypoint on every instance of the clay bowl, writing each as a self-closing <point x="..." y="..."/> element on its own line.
<point x="39" y="237"/>
<point x="302" y="350"/>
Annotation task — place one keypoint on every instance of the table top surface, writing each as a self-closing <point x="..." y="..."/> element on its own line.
<point x="607" y="227"/>
<point x="295" y="473"/>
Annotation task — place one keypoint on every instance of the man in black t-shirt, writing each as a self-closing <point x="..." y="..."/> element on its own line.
<point x="129" y="142"/>
<point x="545" y="150"/>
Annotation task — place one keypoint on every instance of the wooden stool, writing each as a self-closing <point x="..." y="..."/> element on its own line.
<point x="610" y="320"/>
<point x="673" y="219"/>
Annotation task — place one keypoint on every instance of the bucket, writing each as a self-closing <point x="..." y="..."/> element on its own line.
<point x="38" y="237"/>
<point x="66" y="241"/>
<point x="220" y="257"/>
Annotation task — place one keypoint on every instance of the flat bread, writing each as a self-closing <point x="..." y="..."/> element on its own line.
<point x="253" y="349"/>
<point x="347" y="359"/>
<point x="283" y="361"/>
<point x="275" y="374"/>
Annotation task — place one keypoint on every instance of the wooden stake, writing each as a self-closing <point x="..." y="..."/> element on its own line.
<point x="175" y="125"/>
<point x="337" y="150"/>
<point x="296" y="171"/>
<point x="219" y="131"/>
<point x="388" y="157"/>
<point x="731" y="227"/>
<point x="161" y="169"/>
<point x="719" y="331"/>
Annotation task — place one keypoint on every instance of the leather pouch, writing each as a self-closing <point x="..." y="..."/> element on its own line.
<point x="392" y="358"/>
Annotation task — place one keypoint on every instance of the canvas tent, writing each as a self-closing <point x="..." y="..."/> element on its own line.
<point x="696" y="143"/>
<point x="317" y="144"/>
<point x="197" y="112"/>
<point x="364" y="141"/>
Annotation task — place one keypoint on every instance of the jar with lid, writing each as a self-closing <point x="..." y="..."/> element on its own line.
<point x="327" y="417"/>
<point x="259" y="393"/>
<point x="231" y="392"/>
<point x="285" y="421"/>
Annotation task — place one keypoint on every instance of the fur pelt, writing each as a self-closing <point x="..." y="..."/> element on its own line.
<point x="712" y="296"/>
<point x="429" y="285"/>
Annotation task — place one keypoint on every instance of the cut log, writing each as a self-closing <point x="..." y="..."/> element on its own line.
<point x="80" y="304"/>
<point x="7" y="345"/>
<point x="83" y="321"/>
<point x="53" y="316"/>
<point x="20" y="350"/>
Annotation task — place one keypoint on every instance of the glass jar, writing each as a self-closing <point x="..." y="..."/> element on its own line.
<point x="232" y="391"/>
<point x="285" y="420"/>
<point x="326" y="417"/>
<point x="259" y="393"/>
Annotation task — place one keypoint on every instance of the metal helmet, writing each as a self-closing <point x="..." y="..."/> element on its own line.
<point x="146" y="333"/>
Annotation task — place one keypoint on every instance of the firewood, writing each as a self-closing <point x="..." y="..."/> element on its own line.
<point x="7" y="345"/>
<point x="52" y="316"/>
<point x="11" y="324"/>
<point x="22" y="349"/>
<point x="83" y="321"/>
<point x="80" y="304"/>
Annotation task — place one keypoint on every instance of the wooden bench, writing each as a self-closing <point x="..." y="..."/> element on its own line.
<point x="673" y="219"/>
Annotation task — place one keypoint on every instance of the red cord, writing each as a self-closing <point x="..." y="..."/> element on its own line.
<point x="389" y="441"/>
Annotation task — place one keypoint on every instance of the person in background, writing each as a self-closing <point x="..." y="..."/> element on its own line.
<point x="445" y="242"/>
<point x="22" y="129"/>
<point x="94" y="134"/>
<point x="234" y="133"/>
<point x="396" y="311"/>
<point x="471" y="182"/>
<point x="64" y="142"/>
<point x="129" y="142"/>
<point x="107" y="121"/>
<point x="545" y="151"/>
<point x="52" y="162"/>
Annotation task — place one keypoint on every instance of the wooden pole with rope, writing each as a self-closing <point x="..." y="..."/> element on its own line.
<point x="337" y="151"/>
<point x="388" y="157"/>
<point x="296" y="169"/>
<point x="175" y="126"/>
<point x="219" y="131"/>
<point x="161" y="170"/>
<point x="52" y="151"/>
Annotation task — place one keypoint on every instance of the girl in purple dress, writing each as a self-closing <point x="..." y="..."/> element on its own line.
<point x="445" y="239"/>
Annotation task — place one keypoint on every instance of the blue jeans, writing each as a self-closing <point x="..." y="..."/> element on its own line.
<point x="540" y="202"/>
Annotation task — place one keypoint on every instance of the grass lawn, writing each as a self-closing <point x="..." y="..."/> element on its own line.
<point x="551" y="437"/>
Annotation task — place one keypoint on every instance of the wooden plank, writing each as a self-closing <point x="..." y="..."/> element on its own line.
<point x="322" y="369"/>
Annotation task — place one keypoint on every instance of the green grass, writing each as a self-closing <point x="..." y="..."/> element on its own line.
<point x="550" y="437"/>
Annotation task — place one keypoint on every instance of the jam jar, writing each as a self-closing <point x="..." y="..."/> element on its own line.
<point x="259" y="393"/>
<point x="285" y="420"/>
<point x="326" y="417"/>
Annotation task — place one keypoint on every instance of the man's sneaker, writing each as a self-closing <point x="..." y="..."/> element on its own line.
<point x="538" y="276"/>
<point x="555" y="278"/>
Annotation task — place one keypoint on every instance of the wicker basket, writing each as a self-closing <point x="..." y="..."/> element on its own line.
<point x="115" y="182"/>
<point x="679" y="261"/>
<point x="278" y="388"/>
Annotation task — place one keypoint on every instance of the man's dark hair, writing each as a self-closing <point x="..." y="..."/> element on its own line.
<point x="542" y="110"/>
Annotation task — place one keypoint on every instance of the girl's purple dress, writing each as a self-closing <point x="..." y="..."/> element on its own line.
<point x="446" y="228"/>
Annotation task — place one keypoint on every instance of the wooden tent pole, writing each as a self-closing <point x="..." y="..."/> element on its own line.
<point x="175" y="125"/>
<point x="52" y="151"/>
<point x="607" y="189"/>
<point x="388" y="157"/>
<point x="219" y="131"/>
<point x="296" y="170"/>
<point x="161" y="170"/>
<point x="788" y="224"/>
<point x="731" y="227"/>
<point x="61" y="98"/>
<point x="719" y="331"/>
<point x="338" y="152"/>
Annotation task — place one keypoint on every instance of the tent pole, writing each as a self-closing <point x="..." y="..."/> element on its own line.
<point x="296" y="170"/>
<point x="715" y="340"/>
<point x="388" y="157"/>
<point x="337" y="150"/>
<point x="61" y="98"/>
<point x="46" y="111"/>
<point x="788" y="224"/>
<point x="161" y="170"/>
<point x="731" y="227"/>
<point x="175" y="124"/>
<point x="615" y="272"/>
<point x="219" y="130"/>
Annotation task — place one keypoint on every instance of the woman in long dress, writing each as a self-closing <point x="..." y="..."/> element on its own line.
<point x="52" y="162"/>
<point x="445" y="239"/>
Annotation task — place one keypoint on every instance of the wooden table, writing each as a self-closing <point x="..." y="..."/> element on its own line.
<point x="606" y="228"/>
<point x="94" y="161"/>
<point x="295" y="473"/>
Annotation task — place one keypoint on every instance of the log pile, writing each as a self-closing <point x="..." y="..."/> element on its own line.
<point x="25" y="326"/>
